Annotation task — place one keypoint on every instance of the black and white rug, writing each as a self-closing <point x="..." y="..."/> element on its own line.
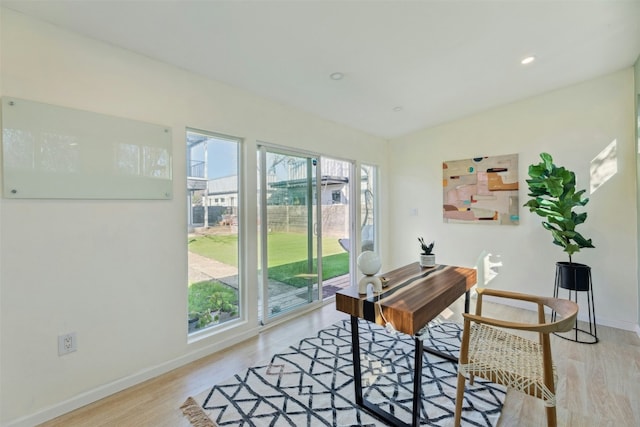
<point x="311" y="384"/>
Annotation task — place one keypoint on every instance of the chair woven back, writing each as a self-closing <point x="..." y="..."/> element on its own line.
<point x="491" y="352"/>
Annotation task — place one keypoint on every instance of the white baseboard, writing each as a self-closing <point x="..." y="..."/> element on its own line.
<point x="626" y="326"/>
<point x="638" y="330"/>
<point x="105" y="390"/>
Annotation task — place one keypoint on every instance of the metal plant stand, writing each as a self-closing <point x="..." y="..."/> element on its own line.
<point x="578" y="334"/>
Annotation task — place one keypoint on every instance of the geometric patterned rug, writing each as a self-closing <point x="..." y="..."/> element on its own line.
<point x="311" y="384"/>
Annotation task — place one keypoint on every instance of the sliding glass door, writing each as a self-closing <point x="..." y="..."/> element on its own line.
<point x="337" y="224"/>
<point x="368" y="207"/>
<point x="289" y="233"/>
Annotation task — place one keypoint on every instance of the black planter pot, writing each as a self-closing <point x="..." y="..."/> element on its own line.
<point x="573" y="276"/>
<point x="193" y="324"/>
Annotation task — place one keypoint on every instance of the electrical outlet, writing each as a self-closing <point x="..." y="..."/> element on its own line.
<point x="67" y="343"/>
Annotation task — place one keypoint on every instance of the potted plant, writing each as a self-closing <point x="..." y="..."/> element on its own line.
<point x="427" y="257"/>
<point x="193" y="321"/>
<point x="554" y="197"/>
<point x="199" y="319"/>
<point x="224" y="304"/>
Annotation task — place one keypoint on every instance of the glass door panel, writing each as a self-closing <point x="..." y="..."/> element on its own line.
<point x="368" y="207"/>
<point x="289" y="270"/>
<point x="336" y="189"/>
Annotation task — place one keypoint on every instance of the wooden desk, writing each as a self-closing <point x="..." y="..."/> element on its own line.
<point x="412" y="297"/>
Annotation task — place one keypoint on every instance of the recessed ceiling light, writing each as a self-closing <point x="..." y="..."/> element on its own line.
<point x="397" y="109"/>
<point x="528" y="60"/>
<point x="336" y="76"/>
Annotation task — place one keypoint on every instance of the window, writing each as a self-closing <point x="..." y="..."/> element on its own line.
<point x="212" y="165"/>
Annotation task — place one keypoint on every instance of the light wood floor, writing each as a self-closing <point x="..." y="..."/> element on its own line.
<point x="598" y="385"/>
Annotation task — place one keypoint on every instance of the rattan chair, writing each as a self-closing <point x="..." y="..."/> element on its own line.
<point x="509" y="359"/>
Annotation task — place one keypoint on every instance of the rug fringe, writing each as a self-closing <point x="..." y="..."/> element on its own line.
<point x="196" y="415"/>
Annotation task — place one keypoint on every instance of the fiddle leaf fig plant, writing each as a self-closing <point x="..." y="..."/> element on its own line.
<point x="553" y="196"/>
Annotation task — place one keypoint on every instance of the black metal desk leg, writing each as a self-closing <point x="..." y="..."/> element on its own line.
<point x="355" y="352"/>
<point x="467" y="297"/>
<point x="375" y="410"/>
<point x="417" y="382"/>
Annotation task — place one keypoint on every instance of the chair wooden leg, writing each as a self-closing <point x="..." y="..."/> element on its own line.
<point x="459" y="399"/>
<point x="551" y="416"/>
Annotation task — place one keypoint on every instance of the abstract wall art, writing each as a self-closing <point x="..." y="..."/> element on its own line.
<point x="481" y="190"/>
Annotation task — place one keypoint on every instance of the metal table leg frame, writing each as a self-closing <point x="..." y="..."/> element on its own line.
<point x="417" y="374"/>
<point x="374" y="409"/>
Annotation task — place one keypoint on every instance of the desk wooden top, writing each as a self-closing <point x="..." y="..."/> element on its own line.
<point x="412" y="296"/>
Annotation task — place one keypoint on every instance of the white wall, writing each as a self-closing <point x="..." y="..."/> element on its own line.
<point x="115" y="271"/>
<point x="573" y="124"/>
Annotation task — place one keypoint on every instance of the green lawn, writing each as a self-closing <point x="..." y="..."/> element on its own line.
<point x="332" y="266"/>
<point x="223" y="248"/>
<point x="284" y="248"/>
<point x="287" y="255"/>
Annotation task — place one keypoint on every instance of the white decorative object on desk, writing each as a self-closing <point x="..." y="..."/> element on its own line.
<point x="369" y="265"/>
<point x="428" y="260"/>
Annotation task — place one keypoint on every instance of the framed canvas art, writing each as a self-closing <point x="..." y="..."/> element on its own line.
<point x="481" y="190"/>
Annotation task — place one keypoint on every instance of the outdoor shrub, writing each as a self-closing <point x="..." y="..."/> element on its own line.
<point x="211" y="295"/>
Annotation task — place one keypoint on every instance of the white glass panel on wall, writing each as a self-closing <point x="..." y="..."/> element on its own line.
<point x="336" y="189"/>
<point x="368" y="207"/>
<point x="212" y="202"/>
<point x="289" y="272"/>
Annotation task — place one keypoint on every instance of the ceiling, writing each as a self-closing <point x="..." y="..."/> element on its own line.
<point x="434" y="61"/>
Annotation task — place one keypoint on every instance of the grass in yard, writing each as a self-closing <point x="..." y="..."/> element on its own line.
<point x="223" y="248"/>
<point x="332" y="266"/>
<point x="287" y="255"/>
<point x="284" y="248"/>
